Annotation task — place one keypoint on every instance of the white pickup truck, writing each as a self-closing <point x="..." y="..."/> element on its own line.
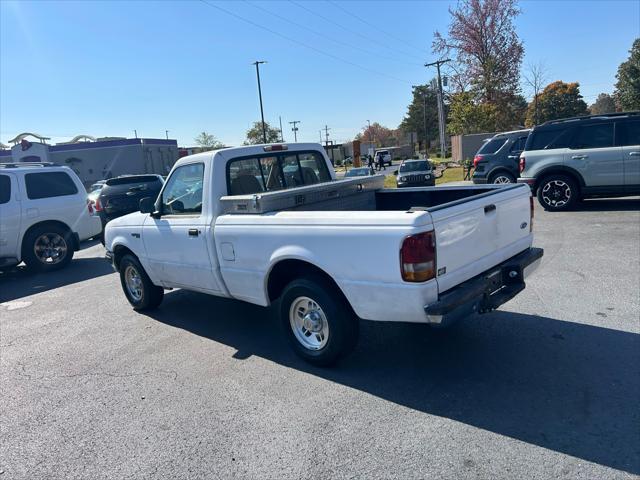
<point x="270" y="224"/>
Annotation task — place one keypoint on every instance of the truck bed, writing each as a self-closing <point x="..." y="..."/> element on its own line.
<point x="357" y="194"/>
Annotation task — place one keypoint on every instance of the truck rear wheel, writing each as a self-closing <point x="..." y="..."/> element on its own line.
<point x="137" y="286"/>
<point x="318" y="322"/>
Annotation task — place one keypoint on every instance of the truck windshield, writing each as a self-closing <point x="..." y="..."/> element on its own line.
<point x="415" y="166"/>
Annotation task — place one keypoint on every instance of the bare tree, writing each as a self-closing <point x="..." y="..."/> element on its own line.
<point x="535" y="76"/>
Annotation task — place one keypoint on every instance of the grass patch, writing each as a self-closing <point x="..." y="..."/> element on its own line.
<point x="390" y="181"/>
<point x="451" y="175"/>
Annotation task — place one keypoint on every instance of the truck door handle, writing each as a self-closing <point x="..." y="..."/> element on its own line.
<point x="634" y="154"/>
<point x="579" y="157"/>
<point x="193" y="232"/>
<point x="489" y="208"/>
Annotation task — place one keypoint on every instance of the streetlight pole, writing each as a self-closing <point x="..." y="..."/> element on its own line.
<point x="295" y="130"/>
<point x="441" y="119"/>
<point x="264" y="129"/>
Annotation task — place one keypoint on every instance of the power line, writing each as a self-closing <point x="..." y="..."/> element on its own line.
<point x="357" y="17"/>
<point x="306" y="45"/>
<point x="332" y="39"/>
<point x="350" y="30"/>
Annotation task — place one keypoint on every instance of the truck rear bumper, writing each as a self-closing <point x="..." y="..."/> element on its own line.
<point x="486" y="291"/>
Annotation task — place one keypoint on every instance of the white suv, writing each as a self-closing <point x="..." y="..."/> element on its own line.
<point x="44" y="214"/>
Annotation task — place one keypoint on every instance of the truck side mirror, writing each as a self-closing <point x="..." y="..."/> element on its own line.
<point x="147" y="205"/>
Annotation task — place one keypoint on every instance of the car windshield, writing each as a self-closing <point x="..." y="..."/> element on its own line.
<point x="418" y="166"/>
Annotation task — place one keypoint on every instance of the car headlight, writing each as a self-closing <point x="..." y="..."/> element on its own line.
<point x="403" y="179"/>
<point x="427" y="177"/>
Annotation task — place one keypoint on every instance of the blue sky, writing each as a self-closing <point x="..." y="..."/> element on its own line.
<point x="107" y="68"/>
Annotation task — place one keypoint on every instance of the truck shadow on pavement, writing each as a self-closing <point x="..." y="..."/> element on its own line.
<point x="20" y="282"/>
<point x="564" y="386"/>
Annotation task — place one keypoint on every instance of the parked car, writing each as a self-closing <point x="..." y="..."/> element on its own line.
<point x="386" y="157"/>
<point x="415" y="173"/>
<point x="567" y="160"/>
<point x="497" y="161"/>
<point x="359" y="172"/>
<point x="263" y="241"/>
<point x="121" y="195"/>
<point x="44" y="215"/>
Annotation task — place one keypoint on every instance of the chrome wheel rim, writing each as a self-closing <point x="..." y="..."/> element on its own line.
<point x="556" y="193"/>
<point x="501" y="179"/>
<point x="50" y="248"/>
<point x="133" y="282"/>
<point x="309" y="323"/>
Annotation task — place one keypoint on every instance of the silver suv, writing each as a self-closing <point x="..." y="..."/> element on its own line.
<point x="567" y="160"/>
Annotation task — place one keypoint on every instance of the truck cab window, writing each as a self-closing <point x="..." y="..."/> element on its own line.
<point x="182" y="194"/>
<point x="314" y="168"/>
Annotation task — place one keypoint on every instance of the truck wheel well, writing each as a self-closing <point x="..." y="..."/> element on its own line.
<point x="46" y="223"/>
<point x="285" y="271"/>
<point x="120" y="251"/>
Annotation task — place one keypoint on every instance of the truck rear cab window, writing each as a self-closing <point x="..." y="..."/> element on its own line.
<point x="182" y="194"/>
<point x="593" y="136"/>
<point x="270" y="173"/>
<point x="49" y="184"/>
<point x="492" y="146"/>
<point x="5" y="189"/>
<point x="628" y="133"/>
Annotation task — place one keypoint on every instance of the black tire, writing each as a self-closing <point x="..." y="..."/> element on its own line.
<point x="150" y="295"/>
<point x="558" y="193"/>
<point x="47" y="238"/>
<point x="343" y="324"/>
<point x="502" y="175"/>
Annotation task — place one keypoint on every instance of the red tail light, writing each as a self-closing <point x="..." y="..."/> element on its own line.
<point x="90" y="206"/>
<point x="531" y="213"/>
<point x="97" y="205"/>
<point x="522" y="164"/>
<point x="476" y="160"/>
<point x="418" y="257"/>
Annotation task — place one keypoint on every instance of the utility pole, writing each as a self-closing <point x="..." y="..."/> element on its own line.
<point x="295" y="130"/>
<point x="326" y="135"/>
<point x="264" y="129"/>
<point x="441" y="120"/>
<point x="166" y="134"/>
<point x="281" y="132"/>
<point x="424" y="118"/>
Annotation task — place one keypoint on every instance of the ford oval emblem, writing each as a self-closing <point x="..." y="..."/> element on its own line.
<point x="523" y="225"/>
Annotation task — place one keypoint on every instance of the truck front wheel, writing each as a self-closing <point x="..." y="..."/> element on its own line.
<point x="137" y="286"/>
<point x="318" y="322"/>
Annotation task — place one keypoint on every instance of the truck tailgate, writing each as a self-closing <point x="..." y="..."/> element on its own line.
<point x="476" y="234"/>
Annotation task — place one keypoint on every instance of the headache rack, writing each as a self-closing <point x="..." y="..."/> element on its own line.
<point x="29" y="164"/>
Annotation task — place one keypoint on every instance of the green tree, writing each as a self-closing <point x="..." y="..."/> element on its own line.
<point x="206" y="141"/>
<point x="414" y="119"/>
<point x="511" y="111"/>
<point x="254" y="134"/>
<point x="469" y="116"/>
<point x="557" y="100"/>
<point x="627" y="93"/>
<point x="603" y="104"/>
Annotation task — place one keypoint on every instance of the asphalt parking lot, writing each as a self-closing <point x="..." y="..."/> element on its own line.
<point x="546" y="387"/>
